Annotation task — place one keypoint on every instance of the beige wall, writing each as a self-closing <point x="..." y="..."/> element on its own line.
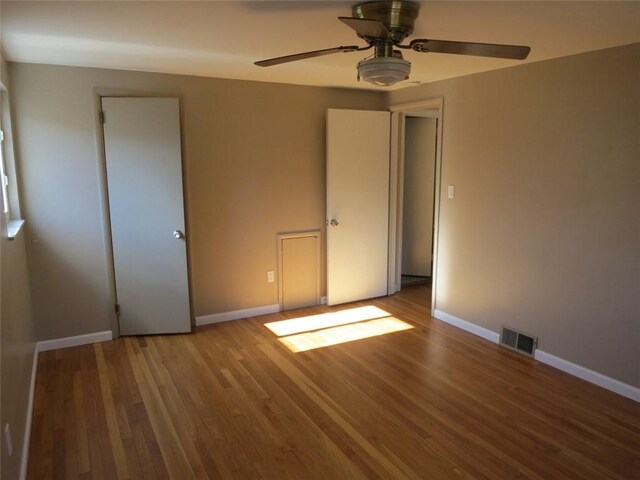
<point x="544" y="232"/>
<point x="254" y="167"/>
<point x="17" y="336"/>
<point x="18" y="346"/>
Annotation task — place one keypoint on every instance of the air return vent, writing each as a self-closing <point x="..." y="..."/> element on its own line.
<point x="518" y="341"/>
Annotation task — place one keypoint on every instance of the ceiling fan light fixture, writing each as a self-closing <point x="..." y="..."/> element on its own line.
<point x="384" y="71"/>
<point x="384" y="25"/>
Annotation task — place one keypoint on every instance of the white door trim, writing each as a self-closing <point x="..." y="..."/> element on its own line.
<point x="396" y="182"/>
<point x="435" y="107"/>
<point x="104" y="210"/>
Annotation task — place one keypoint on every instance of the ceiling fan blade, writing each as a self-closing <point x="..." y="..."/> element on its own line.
<point x="515" y="52"/>
<point x="301" y="56"/>
<point x="366" y="28"/>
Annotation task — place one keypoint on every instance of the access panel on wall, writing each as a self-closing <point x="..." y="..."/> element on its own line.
<point x="299" y="267"/>
<point x="144" y="181"/>
<point x="357" y="204"/>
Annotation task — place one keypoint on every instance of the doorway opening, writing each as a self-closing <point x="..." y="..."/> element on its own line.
<point x="417" y="199"/>
<point x="415" y="165"/>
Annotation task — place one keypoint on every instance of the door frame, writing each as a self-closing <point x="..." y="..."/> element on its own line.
<point x="434" y="108"/>
<point x="111" y="294"/>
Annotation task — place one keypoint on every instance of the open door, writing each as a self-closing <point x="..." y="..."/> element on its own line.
<point x="357" y="204"/>
<point x="144" y="182"/>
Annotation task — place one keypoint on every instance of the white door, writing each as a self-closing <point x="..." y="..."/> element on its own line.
<point x="144" y="179"/>
<point x="357" y="204"/>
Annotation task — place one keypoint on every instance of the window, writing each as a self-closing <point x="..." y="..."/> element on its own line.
<point x="11" y="208"/>
<point x="4" y="179"/>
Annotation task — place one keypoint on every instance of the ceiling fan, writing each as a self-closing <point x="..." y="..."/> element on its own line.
<point x="384" y="25"/>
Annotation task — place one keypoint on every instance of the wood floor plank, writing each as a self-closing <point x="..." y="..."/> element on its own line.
<point x="172" y="452"/>
<point x="81" y="424"/>
<point x="231" y="401"/>
<point x="113" y="428"/>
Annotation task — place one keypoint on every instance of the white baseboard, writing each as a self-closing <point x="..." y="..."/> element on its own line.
<point x="467" y="326"/>
<point x="236" y="314"/>
<point x="596" y="378"/>
<point x="65" y="342"/>
<point x="24" y="461"/>
<point x="599" y="379"/>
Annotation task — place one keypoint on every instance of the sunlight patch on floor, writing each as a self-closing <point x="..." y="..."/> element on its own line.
<point x="325" y="320"/>
<point x="317" y="331"/>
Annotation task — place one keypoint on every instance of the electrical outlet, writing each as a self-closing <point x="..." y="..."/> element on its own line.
<point x="271" y="276"/>
<point x="7" y="439"/>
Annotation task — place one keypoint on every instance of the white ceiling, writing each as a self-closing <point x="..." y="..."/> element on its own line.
<point x="224" y="38"/>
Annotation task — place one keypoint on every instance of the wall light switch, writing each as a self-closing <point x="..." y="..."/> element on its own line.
<point x="271" y="277"/>
<point x="451" y="191"/>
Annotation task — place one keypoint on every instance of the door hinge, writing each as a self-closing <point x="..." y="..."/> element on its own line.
<point x="117" y="309"/>
<point x="101" y="116"/>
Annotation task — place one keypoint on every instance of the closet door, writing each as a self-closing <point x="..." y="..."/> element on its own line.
<point x="144" y="178"/>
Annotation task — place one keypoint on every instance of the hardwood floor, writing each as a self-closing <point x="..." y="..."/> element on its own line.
<point x="233" y="401"/>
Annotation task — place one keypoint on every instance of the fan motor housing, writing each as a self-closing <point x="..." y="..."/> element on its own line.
<point x="397" y="15"/>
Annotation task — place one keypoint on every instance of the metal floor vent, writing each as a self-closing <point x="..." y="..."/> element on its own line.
<point x="518" y="341"/>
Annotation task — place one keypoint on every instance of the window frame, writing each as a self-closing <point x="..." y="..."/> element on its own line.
<point x="4" y="178"/>
<point x="10" y="192"/>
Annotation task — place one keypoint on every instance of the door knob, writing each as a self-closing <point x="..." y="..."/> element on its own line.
<point x="334" y="222"/>
<point x="178" y="234"/>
